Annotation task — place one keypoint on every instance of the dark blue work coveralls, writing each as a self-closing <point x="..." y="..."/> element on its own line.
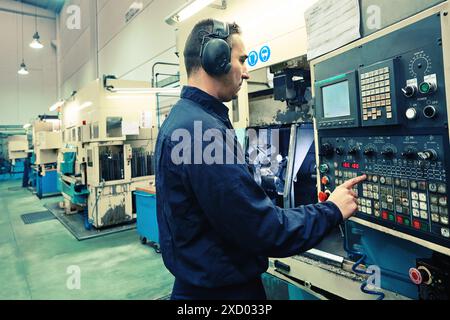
<point x="217" y="225"/>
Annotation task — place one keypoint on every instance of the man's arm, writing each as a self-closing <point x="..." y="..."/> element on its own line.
<point x="243" y="215"/>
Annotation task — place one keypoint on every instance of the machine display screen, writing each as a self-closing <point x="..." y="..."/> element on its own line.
<point x="336" y="100"/>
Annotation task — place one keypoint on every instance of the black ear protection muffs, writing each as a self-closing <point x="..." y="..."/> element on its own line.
<point x="215" y="53"/>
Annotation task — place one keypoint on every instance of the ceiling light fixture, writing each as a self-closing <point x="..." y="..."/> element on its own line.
<point x="190" y="8"/>
<point x="57" y="105"/>
<point x="23" y="71"/>
<point x="36" y="44"/>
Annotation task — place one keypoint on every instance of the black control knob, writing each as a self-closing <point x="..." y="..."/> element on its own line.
<point x="339" y="151"/>
<point x="388" y="152"/>
<point x="429" y="155"/>
<point x="326" y="150"/>
<point x="409" y="153"/>
<point x="409" y="91"/>
<point x="430" y="112"/>
<point x="353" y="150"/>
<point x="369" y="152"/>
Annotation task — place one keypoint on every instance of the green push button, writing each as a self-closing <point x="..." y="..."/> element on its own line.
<point x="407" y="222"/>
<point x="391" y="218"/>
<point x="425" y="88"/>
<point x="424" y="227"/>
<point x="324" y="168"/>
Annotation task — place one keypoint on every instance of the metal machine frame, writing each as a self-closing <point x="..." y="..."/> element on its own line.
<point x="101" y="129"/>
<point x="318" y="275"/>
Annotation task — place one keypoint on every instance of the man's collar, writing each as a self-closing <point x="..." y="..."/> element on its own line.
<point x="205" y="100"/>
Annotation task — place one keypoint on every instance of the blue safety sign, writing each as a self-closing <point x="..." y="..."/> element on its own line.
<point x="264" y="54"/>
<point x="252" y="58"/>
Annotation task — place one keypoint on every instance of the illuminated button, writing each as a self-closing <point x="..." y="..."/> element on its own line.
<point x="442" y="188"/>
<point x="423" y="215"/>
<point x="325" y="181"/>
<point x="324" y="168"/>
<point x="432" y="187"/>
<point x="415" y="276"/>
<point x="375" y="179"/>
<point x="407" y="222"/>
<point x="391" y="217"/>
<point x="434" y="208"/>
<point x="414" y="196"/>
<point x="443" y="201"/>
<point x="416" y="224"/>
<point x="423" y="197"/>
<point x="400" y="219"/>
<point x="444" y="220"/>
<point x="389" y="115"/>
<point x="445" y="232"/>
<point x="422" y="185"/>
<point x="434" y="217"/>
<point x="423" y="206"/>
<point x="416" y="213"/>
<point x="384" y="215"/>
<point x="323" y="196"/>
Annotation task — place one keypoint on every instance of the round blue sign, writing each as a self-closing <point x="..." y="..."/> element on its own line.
<point x="264" y="54"/>
<point x="252" y="58"/>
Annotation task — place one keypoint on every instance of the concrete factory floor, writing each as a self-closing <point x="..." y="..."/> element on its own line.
<point x="36" y="260"/>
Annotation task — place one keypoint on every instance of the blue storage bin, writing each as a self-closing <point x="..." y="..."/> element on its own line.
<point x="147" y="224"/>
<point x="47" y="185"/>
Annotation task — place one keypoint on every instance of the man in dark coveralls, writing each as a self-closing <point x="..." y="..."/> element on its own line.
<point x="217" y="225"/>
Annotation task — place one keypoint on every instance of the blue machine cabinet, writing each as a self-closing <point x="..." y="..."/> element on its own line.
<point x="46" y="185"/>
<point x="393" y="255"/>
<point x="147" y="225"/>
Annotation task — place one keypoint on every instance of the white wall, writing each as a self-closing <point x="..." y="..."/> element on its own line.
<point x="106" y="44"/>
<point x="22" y="98"/>
<point x="77" y="56"/>
<point x="281" y="24"/>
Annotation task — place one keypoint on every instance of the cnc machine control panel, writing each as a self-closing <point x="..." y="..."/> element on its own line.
<point x="381" y="110"/>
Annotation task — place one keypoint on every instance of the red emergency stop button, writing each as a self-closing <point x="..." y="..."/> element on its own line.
<point x="415" y="276"/>
<point x="325" y="181"/>
<point x="323" y="196"/>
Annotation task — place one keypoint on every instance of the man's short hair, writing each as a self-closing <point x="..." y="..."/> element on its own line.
<point x="193" y="45"/>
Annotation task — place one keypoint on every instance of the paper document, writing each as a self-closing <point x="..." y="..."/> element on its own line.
<point x="331" y="24"/>
<point x="130" y="128"/>
<point x="146" y="119"/>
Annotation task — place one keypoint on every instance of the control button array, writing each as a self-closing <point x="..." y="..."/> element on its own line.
<point x="376" y="94"/>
